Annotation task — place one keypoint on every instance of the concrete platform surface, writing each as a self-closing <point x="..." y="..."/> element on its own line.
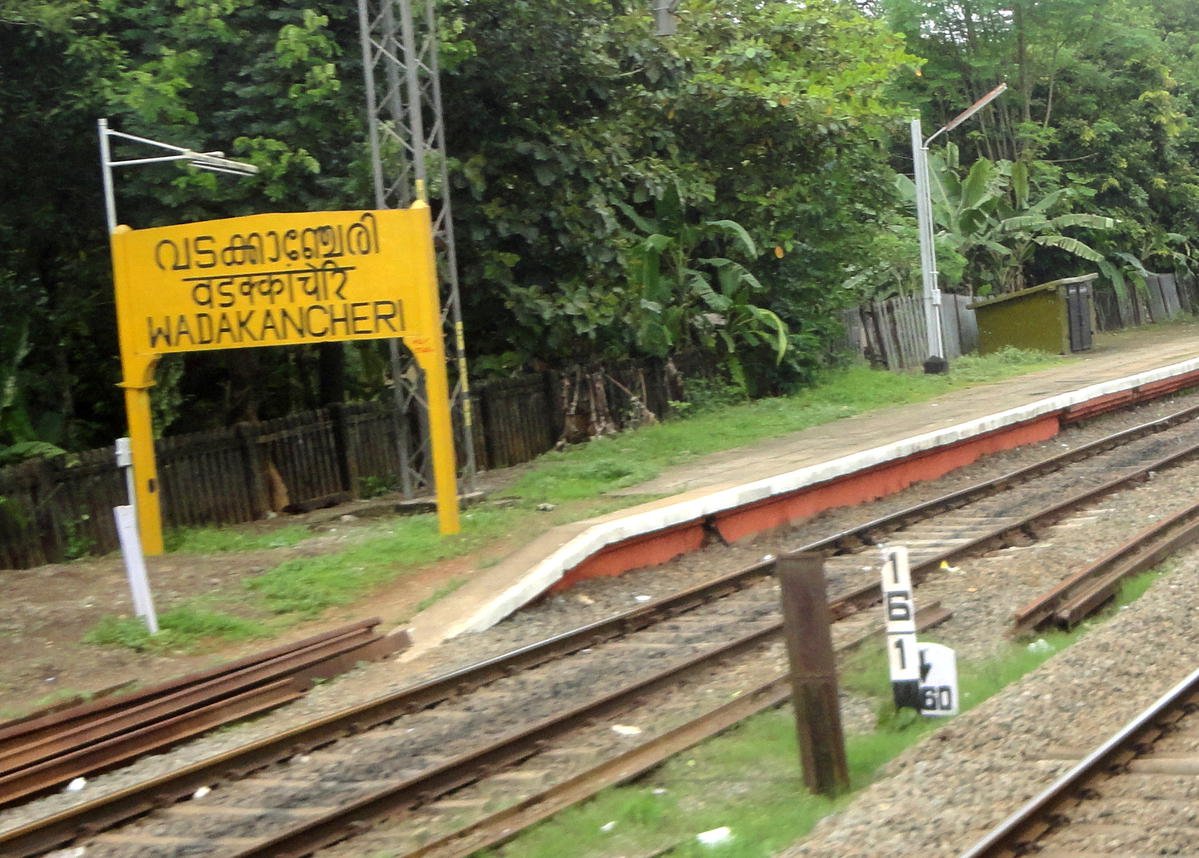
<point x="1119" y="366"/>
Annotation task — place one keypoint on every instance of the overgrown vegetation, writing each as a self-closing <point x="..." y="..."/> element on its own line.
<point x="597" y="171"/>
<point x="212" y="540"/>
<point x="308" y="585"/>
<point x="181" y="629"/>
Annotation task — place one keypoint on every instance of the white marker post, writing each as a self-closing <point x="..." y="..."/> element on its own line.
<point x="924" y="676"/>
<point x="938" y="680"/>
<point x="131" y="544"/>
<point x="902" y="653"/>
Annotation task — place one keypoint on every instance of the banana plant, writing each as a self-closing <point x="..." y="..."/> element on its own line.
<point x="17" y="441"/>
<point x="992" y="224"/>
<point x="685" y="299"/>
<point x="1018" y="226"/>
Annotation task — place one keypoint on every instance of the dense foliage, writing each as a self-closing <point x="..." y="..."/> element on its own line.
<point x="616" y="194"/>
<point x="772" y="116"/>
<point x="1101" y="105"/>
<point x="261" y="81"/>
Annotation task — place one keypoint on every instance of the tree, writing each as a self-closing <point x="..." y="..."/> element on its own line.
<point x="994" y="219"/>
<point x="1099" y="105"/>
<point x="971" y="46"/>
<point x="195" y="72"/>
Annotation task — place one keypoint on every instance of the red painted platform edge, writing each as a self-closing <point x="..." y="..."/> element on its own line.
<point x="1132" y="396"/>
<point x="878" y="481"/>
<point x="638" y="552"/>
<point x="661" y="546"/>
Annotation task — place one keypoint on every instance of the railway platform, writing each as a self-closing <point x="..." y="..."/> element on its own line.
<point x="740" y="492"/>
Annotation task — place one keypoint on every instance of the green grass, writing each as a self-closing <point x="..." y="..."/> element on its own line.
<point x="185" y="628"/>
<point x="587" y="470"/>
<point x="749" y="778"/>
<point x="309" y="585"/>
<point x="573" y="480"/>
<point x="216" y="540"/>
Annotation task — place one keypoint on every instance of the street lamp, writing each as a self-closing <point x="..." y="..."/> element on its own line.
<point x="137" y="391"/>
<point x="936" y="361"/>
<point x="214" y="162"/>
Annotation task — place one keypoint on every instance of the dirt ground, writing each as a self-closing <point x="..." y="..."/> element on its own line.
<point x="46" y="611"/>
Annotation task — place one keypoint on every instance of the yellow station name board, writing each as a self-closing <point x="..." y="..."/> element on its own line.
<point x="273" y="280"/>
<point x="278" y="280"/>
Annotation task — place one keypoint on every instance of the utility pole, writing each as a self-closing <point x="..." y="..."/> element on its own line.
<point x="407" y="134"/>
<point x="666" y="21"/>
<point x="936" y="361"/>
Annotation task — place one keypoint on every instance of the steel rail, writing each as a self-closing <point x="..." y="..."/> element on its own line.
<point x="124" y="688"/>
<point x="105" y="753"/>
<point x="1032" y="820"/>
<point x="107" y="811"/>
<point x="42" y="835"/>
<point x="25" y="730"/>
<point x="1071" y="601"/>
<point x="861" y="533"/>
<point x="80" y="733"/>
<point x="1042" y="516"/>
<point x="309" y="835"/>
<point x="84" y="746"/>
<point x="505" y="824"/>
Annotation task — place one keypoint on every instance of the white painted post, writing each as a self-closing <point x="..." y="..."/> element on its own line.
<point x="135" y="566"/>
<point x="902" y="654"/>
<point x="924" y="676"/>
<point x="131" y="544"/>
<point x="938" y="680"/>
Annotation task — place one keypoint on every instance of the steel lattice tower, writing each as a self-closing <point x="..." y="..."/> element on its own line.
<point x="407" y="136"/>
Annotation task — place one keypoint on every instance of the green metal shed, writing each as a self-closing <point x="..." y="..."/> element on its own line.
<point x="1055" y="317"/>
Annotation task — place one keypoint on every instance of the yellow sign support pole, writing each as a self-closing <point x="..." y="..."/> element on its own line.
<point x="275" y="280"/>
<point x="138" y="379"/>
<point x="441" y="432"/>
<point x="430" y="354"/>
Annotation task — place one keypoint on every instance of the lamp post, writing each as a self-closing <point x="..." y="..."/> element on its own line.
<point x="936" y="361"/>
<point x="214" y="162"/>
<point x="140" y="445"/>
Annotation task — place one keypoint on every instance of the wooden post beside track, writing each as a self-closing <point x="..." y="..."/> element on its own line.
<point x="807" y="626"/>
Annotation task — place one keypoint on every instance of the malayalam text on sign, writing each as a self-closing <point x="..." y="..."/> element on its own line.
<point x="270" y="280"/>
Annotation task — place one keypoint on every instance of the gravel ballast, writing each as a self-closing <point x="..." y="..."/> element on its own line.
<point x="601" y="598"/>
<point x="942" y="796"/>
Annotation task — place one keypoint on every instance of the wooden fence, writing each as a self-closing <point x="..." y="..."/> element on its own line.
<point x="893" y="333"/>
<point x="1164" y="297"/>
<point x="55" y="509"/>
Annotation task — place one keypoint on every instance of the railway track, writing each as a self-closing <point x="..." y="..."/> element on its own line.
<point x="47" y="749"/>
<point x="1134" y="795"/>
<point x="406" y="750"/>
